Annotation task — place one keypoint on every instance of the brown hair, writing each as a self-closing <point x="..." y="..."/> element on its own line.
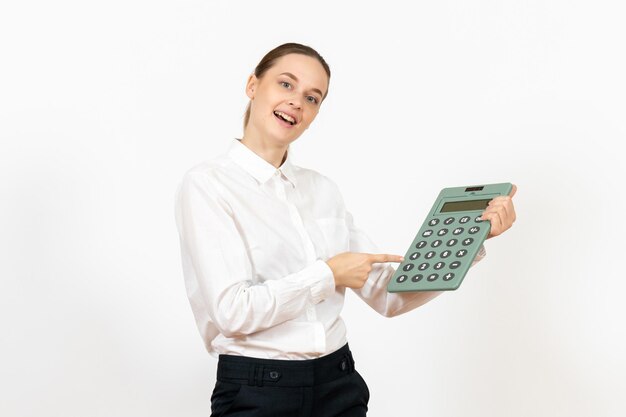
<point x="285" y="49"/>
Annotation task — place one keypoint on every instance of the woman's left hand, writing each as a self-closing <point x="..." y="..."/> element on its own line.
<point x="501" y="213"/>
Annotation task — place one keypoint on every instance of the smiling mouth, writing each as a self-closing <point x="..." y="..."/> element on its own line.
<point x="285" y="117"/>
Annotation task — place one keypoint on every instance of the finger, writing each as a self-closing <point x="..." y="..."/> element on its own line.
<point x="510" y="212"/>
<point x="489" y="211"/>
<point x="501" y="220"/>
<point x="503" y="199"/>
<point x="509" y="209"/>
<point x="503" y="203"/>
<point x="380" y="258"/>
<point x="513" y="191"/>
<point x="496" y="223"/>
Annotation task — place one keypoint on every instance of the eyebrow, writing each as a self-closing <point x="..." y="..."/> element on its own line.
<point x="290" y="75"/>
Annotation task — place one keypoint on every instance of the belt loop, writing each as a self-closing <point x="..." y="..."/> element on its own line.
<point x="351" y="361"/>
<point x="259" y="375"/>
<point x="251" y="374"/>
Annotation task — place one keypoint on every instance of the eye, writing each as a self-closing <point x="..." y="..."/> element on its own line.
<point x="285" y="84"/>
<point x="312" y="99"/>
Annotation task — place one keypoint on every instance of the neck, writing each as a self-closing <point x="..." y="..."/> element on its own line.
<point x="273" y="153"/>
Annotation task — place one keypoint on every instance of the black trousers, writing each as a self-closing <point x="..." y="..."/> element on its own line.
<point x="325" y="387"/>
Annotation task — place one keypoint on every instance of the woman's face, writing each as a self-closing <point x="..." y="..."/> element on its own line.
<point x="286" y="99"/>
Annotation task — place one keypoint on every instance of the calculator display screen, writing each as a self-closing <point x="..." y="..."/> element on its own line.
<point x="464" y="205"/>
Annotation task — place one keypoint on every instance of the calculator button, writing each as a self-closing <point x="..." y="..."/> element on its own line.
<point x="439" y="265"/>
<point x="461" y="253"/>
<point x="420" y="244"/>
<point x="432" y="277"/>
<point x="455" y="265"/>
<point x="414" y="256"/>
<point x="468" y="241"/>
<point x="448" y="221"/>
<point x="448" y="276"/>
<point x="427" y="233"/>
<point x="442" y="232"/>
<point x="478" y="219"/>
<point x="408" y="267"/>
<point x="436" y="243"/>
<point x="417" y="278"/>
<point x="429" y="254"/>
<point x="433" y="222"/>
<point x="423" y="266"/>
<point x="451" y="242"/>
<point x="445" y="253"/>
<point x="401" y="279"/>
<point x="474" y="229"/>
<point x="457" y="231"/>
<point x="464" y="219"/>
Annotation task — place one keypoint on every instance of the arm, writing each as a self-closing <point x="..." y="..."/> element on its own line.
<point x="219" y="273"/>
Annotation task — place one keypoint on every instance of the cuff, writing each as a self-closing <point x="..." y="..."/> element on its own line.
<point x="322" y="284"/>
<point x="482" y="252"/>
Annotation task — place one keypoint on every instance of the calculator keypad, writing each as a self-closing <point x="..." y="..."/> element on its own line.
<point x="441" y="249"/>
<point x="448" y="240"/>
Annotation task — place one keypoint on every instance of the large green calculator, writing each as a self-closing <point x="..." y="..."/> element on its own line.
<point x="448" y="241"/>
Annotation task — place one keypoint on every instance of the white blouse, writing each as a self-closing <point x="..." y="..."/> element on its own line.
<point x="254" y="240"/>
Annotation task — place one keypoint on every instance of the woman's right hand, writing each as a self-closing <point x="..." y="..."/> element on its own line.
<point x="351" y="269"/>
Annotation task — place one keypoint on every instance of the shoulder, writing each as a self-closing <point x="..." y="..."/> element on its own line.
<point x="204" y="176"/>
<point x="209" y="167"/>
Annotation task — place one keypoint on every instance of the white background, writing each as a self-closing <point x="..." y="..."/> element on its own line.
<point x="105" y="105"/>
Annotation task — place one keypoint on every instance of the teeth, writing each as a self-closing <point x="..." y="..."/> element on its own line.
<point x="285" y="116"/>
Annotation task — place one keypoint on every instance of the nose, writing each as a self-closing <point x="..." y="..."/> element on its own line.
<point x="295" y="102"/>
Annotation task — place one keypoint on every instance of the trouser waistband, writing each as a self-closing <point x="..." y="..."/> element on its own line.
<point x="285" y="373"/>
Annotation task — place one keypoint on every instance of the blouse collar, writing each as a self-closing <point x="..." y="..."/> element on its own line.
<point x="257" y="167"/>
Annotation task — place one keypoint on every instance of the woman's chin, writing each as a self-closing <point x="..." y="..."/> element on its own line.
<point x="284" y="138"/>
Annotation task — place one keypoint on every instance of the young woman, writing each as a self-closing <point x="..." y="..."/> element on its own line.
<point x="268" y="250"/>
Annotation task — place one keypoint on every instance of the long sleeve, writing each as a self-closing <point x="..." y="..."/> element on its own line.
<point x="374" y="292"/>
<point x="219" y="275"/>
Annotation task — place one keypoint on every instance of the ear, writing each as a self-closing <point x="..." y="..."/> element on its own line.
<point x="251" y="86"/>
